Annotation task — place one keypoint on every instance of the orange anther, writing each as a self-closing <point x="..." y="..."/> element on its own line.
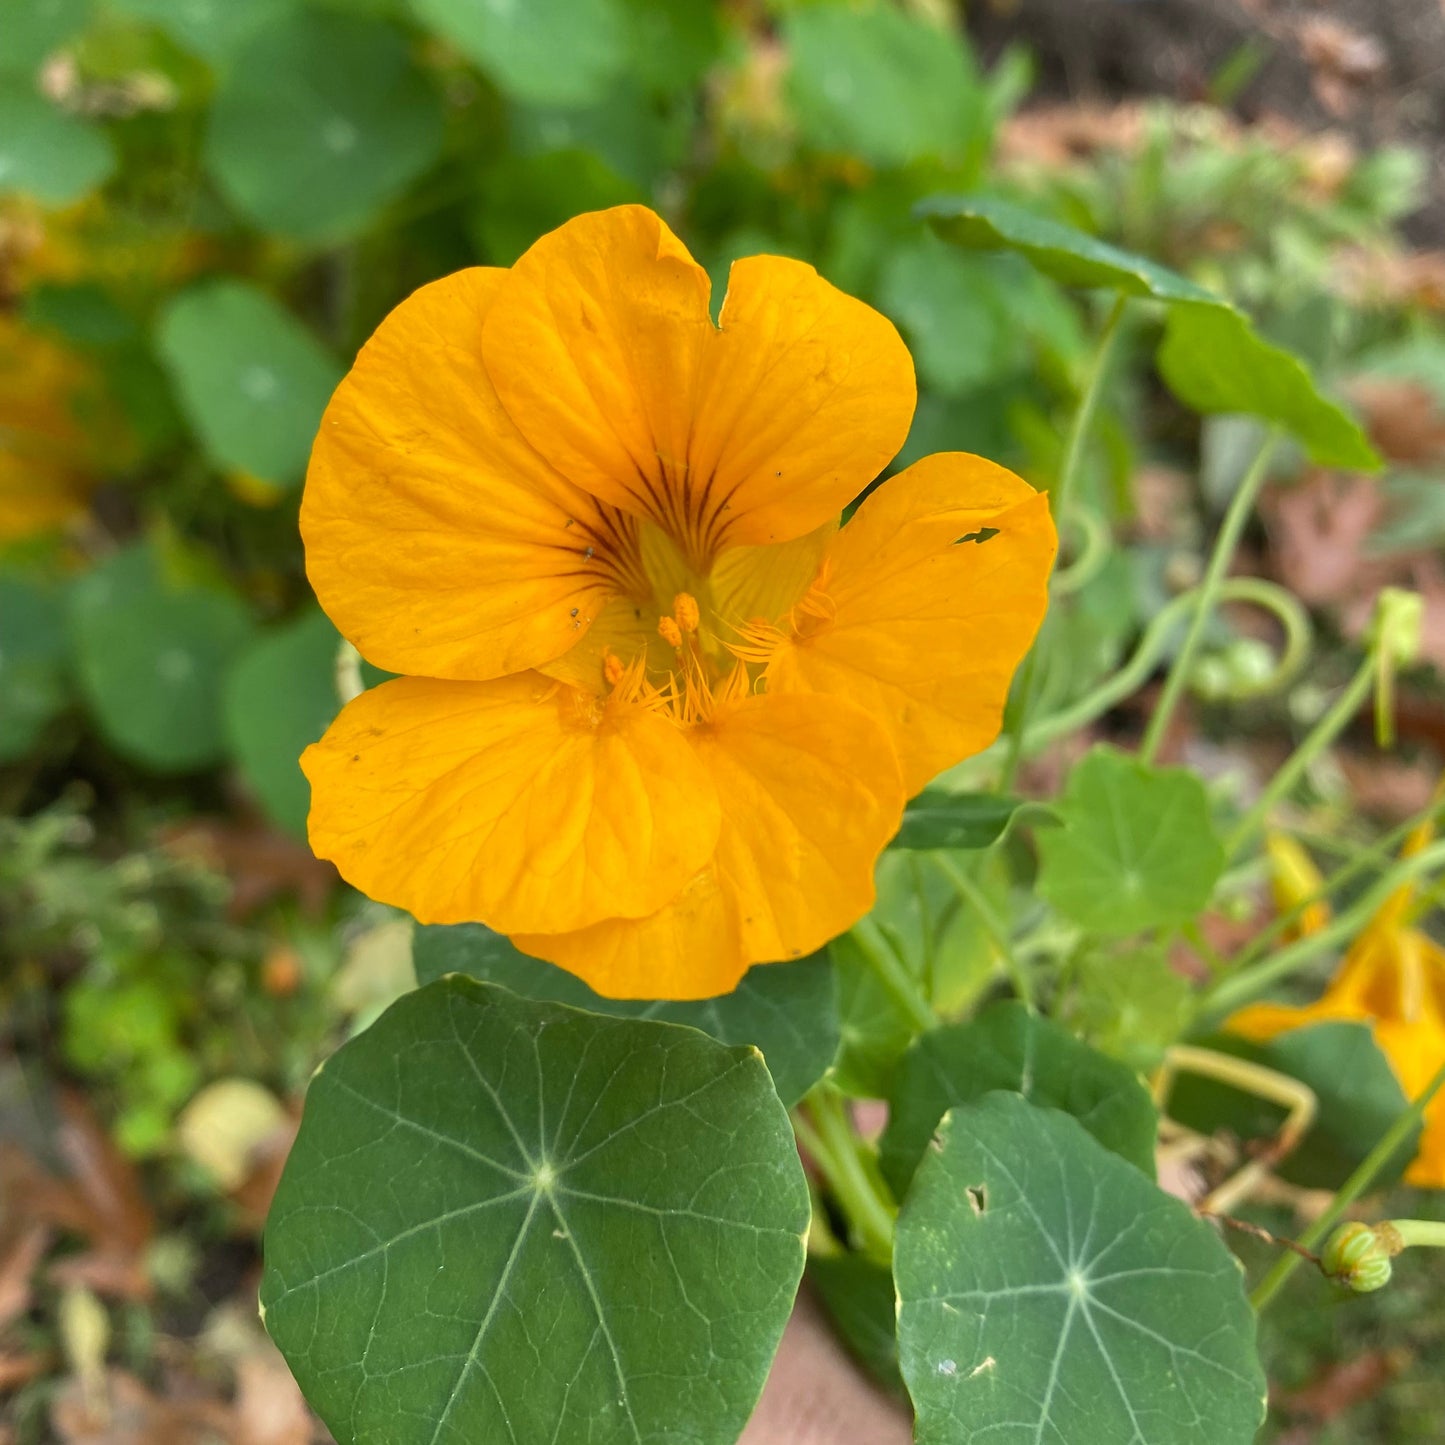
<point x="669" y="631"/>
<point x="612" y="669"/>
<point x="684" y="609"/>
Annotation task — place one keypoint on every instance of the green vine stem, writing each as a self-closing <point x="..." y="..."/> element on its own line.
<point x="1079" y="428"/>
<point x="1240" y="506"/>
<point x="993" y="926"/>
<point x="1280" y="1272"/>
<point x="1240" y="986"/>
<point x="1133" y="675"/>
<point x="1324" y="732"/>
<point x="846" y="1163"/>
<point x="1377" y="853"/>
<point x="899" y="984"/>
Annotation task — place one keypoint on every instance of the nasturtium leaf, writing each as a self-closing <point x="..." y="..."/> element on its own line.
<point x="1130" y="1003"/>
<point x="1048" y="1291"/>
<point x="252" y="380"/>
<point x="34" y="687"/>
<point x="957" y="312"/>
<point x="319" y="121"/>
<point x="788" y="1011"/>
<point x="881" y="84"/>
<point x="280" y="696"/>
<point x="1213" y="360"/>
<point x="937" y="818"/>
<point x="1137" y="848"/>
<point x="1007" y="1047"/>
<point x="1064" y="252"/>
<point x="209" y="28"/>
<point x="672" y="43"/>
<point x="553" y="52"/>
<point x="858" y="1295"/>
<point x="523" y="197"/>
<point x="151" y="653"/>
<point x="511" y="1220"/>
<point x="1358" y="1093"/>
<point x="45" y="153"/>
<point x="921" y="922"/>
<point x="33" y="29"/>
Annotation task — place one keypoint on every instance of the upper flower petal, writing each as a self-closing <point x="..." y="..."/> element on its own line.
<point x="810" y="795"/>
<point x="926" y="603"/>
<point x="603" y="352"/>
<point x="520" y="803"/>
<point x="437" y="539"/>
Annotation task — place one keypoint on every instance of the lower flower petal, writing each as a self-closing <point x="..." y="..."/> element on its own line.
<point x="519" y="803"/>
<point x="927" y="602"/>
<point x="810" y="795"/>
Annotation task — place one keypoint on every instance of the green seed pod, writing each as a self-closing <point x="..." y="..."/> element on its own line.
<point x="1358" y="1256"/>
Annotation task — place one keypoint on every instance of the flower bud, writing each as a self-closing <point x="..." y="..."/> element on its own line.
<point x="1358" y="1256"/>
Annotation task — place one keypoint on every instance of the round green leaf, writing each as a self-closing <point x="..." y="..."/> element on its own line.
<point x="320" y="120"/>
<point x="253" y="381"/>
<point x="1007" y="1047"/>
<point x="788" y="1011"/>
<point x="513" y="1221"/>
<point x="33" y="29"/>
<point x="210" y="28"/>
<point x="1137" y="850"/>
<point x="1069" y="255"/>
<point x="1359" y="1098"/>
<point x="33" y="684"/>
<point x="45" y="153"/>
<point x="553" y="52"/>
<point x="1048" y="1291"/>
<point x="151" y="653"/>
<point x="280" y="697"/>
<point x="1213" y="360"/>
<point x="881" y="85"/>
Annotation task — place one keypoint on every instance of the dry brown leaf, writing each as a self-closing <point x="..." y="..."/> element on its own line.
<point x="17" y="1369"/>
<point x="1343" y="1385"/>
<point x="1058" y="135"/>
<point x="1318" y="529"/>
<point x="261" y="863"/>
<point x="270" y="1409"/>
<point x="127" y="1413"/>
<point x="19" y="1257"/>
<point x="1401" y="417"/>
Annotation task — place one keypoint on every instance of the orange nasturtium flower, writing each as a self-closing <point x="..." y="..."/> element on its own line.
<point x="659" y="714"/>
<point x="1393" y="977"/>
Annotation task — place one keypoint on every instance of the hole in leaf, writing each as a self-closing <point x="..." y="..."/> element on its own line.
<point x="977" y="1198"/>
<point x="981" y="536"/>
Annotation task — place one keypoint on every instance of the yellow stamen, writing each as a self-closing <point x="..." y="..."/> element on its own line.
<point x="685" y="611"/>
<point x="669" y="631"/>
<point x="612" y="669"/>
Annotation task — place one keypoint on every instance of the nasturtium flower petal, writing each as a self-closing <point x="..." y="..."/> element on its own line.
<point x="603" y="351"/>
<point x="437" y="540"/>
<point x="809" y="799"/>
<point x="660" y="713"/>
<point x="520" y="803"/>
<point x="925" y="604"/>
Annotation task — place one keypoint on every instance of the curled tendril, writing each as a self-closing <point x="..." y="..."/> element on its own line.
<point x="1096" y="542"/>
<point x="1150" y="651"/>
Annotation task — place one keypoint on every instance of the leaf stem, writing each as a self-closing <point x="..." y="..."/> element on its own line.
<point x="1240" y="506"/>
<point x="1427" y="1232"/>
<point x="1074" y="445"/>
<point x="1324" y="732"/>
<point x="1241" y="986"/>
<point x="993" y="926"/>
<point x="846" y="1163"/>
<point x="1349" y="1191"/>
<point x="899" y="984"/>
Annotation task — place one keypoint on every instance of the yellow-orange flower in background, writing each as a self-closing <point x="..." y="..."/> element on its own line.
<point x="1393" y="978"/>
<point x="660" y="714"/>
